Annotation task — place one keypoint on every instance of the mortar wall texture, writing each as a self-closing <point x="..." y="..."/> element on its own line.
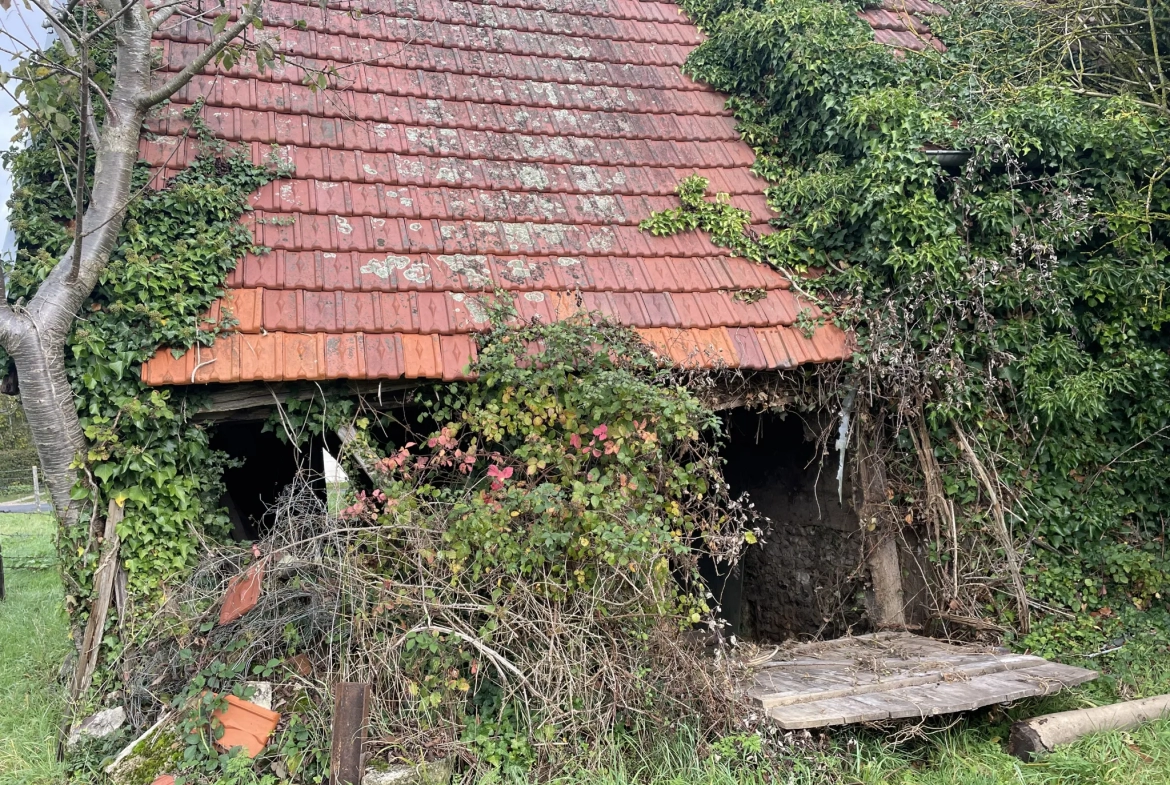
<point x="800" y="580"/>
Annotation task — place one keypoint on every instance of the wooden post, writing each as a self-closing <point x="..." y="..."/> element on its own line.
<point x="36" y="489"/>
<point x="880" y="528"/>
<point x="1044" y="734"/>
<point x="351" y="712"/>
<point x="103" y="584"/>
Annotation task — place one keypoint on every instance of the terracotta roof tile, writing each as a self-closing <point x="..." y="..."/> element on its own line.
<point x="464" y="147"/>
<point x="303" y="356"/>
<point x="261" y="358"/>
<point x="894" y="23"/>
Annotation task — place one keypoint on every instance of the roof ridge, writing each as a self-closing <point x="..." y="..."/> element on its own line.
<point x="272" y="74"/>
<point x="270" y="17"/>
<point x="536" y="6"/>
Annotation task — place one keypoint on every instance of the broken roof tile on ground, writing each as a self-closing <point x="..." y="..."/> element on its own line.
<point x="465" y="148"/>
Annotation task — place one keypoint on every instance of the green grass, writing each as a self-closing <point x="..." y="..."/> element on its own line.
<point x="969" y="751"/>
<point x="971" y="754"/>
<point x="33" y="644"/>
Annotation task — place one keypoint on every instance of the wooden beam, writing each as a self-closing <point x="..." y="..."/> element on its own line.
<point x="351" y="714"/>
<point x="880" y="528"/>
<point x="1044" y="734"/>
<point x="253" y="400"/>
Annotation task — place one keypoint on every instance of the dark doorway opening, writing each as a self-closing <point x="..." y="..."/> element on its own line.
<point x="267" y="465"/>
<point x="802" y="580"/>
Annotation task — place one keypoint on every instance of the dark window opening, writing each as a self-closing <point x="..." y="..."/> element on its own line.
<point x="267" y="466"/>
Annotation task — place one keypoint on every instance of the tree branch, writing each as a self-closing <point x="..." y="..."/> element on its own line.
<point x="113" y="18"/>
<point x="67" y="37"/>
<point x="1096" y="94"/>
<point x="12" y="324"/>
<point x="164" y="12"/>
<point x="216" y="46"/>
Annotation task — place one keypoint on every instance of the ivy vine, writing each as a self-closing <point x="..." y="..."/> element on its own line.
<point x="177" y="247"/>
<point x="1015" y="290"/>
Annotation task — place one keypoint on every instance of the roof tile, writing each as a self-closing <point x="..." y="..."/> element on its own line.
<point x="747" y="348"/>
<point x="467" y="146"/>
<point x="344" y="356"/>
<point x="384" y="356"/>
<point x="423" y="356"/>
<point x="458" y="352"/>
<point x="303" y="356"/>
<point x="261" y="357"/>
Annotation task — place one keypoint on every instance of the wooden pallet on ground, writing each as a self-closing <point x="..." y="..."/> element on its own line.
<point x="893" y="676"/>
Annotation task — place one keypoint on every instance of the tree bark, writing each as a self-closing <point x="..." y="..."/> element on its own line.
<point x="1044" y="734"/>
<point x="35" y="335"/>
<point x="47" y="399"/>
<point x="879" y="528"/>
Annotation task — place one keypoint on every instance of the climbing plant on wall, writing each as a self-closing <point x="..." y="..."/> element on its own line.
<point x="1011" y="296"/>
<point x="178" y="244"/>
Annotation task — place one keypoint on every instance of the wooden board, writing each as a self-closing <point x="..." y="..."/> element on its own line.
<point x="895" y="676"/>
<point x="351" y="712"/>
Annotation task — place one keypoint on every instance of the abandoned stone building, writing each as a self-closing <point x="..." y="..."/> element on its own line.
<point x="464" y="147"/>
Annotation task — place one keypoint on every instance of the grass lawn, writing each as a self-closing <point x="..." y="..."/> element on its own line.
<point x="33" y="644"/>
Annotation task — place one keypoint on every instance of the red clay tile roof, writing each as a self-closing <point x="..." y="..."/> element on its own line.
<point x="894" y="23"/>
<point x="464" y="146"/>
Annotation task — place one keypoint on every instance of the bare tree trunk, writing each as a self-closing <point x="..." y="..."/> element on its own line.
<point x="879" y="527"/>
<point x="35" y="335"/>
<point x="48" y="405"/>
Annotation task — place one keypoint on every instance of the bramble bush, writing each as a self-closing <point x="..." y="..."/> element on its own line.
<point x="538" y="550"/>
<point x="518" y="580"/>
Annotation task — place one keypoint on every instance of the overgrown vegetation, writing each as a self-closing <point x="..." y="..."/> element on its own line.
<point x="1009" y="311"/>
<point x="517" y="576"/>
<point x="515" y="582"/>
<point x="547" y="528"/>
<point x="177" y="245"/>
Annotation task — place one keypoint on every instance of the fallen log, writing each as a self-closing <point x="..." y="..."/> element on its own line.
<point x="1043" y="734"/>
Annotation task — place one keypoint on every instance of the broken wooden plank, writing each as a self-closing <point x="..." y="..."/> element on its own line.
<point x="103" y="582"/>
<point x="928" y="700"/>
<point x="862" y="683"/>
<point x="897" y="676"/>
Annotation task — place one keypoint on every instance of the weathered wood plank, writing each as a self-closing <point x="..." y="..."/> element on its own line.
<point x="103" y="581"/>
<point x="862" y="683"/>
<point x="897" y="676"/>
<point x="351" y="712"/>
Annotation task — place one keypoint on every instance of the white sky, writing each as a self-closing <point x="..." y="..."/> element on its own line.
<point x="23" y="25"/>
